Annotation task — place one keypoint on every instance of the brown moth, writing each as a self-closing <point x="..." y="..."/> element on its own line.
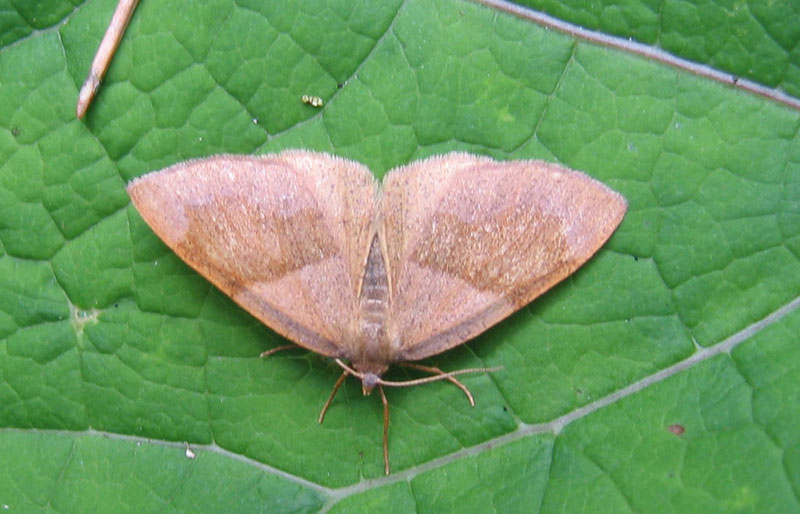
<point x="373" y="274"/>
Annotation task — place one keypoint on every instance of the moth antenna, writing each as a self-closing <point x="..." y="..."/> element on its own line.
<point x="437" y="371"/>
<point x="347" y="368"/>
<point x="277" y="349"/>
<point x="440" y="376"/>
<point x="443" y="376"/>
<point x="336" y="387"/>
<point x="385" y="430"/>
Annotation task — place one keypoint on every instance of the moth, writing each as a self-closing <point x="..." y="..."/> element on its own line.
<point x="374" y="274"/>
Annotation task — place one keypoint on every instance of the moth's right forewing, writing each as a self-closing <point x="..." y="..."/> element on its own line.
<point x="471" y="240"/>
<point x="284" y="235"/>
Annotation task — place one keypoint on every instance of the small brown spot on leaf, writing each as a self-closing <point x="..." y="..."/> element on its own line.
<point x="676" y="429"/>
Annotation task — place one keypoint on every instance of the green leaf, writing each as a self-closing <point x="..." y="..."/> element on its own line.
<point x="662" y="376"/>
<point x="757" y="40"/>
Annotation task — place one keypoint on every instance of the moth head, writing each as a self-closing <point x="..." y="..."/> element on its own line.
<point x="368" y="381"/>
<point x="370" y="375"/>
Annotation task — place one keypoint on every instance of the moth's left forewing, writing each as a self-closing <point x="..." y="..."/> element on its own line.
<point x="285" y="235"/>
<point x="471" y="240"/>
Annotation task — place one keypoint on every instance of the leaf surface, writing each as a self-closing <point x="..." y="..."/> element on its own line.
<point x="662" y="377"/>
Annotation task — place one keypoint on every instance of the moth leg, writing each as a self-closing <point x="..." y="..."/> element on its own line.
<point x="436" y="371"/>
<point x="336" y="387"/>
<point x="385" y="430"/>
<point x="277" y="349"/>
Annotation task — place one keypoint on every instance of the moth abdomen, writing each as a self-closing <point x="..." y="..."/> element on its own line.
<point x="373" y="342"/>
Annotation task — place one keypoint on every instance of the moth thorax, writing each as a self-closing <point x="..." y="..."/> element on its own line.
<point x="374" y="305"/>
